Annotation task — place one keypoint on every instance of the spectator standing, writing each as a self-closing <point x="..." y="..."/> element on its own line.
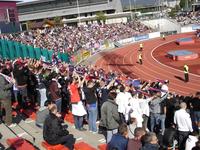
<point x="136" y="111"/>
<point x="78" y="109"/>
<point x="184" y="124"/>
<point x="20" y="74"/>
<point x="144" y="106"/>
<point x="41" y="88"/>
<point x="6" y="84"/>
<point x="164" y="88"/>
<point x="191" y="140"/>
<point x="168" y="139"/>
<point x="195" y="103"/>
<point x="109" y="116"/>
<point x="91" y="100"/>
<point x="157" y="114"/>
<point x="120" y="100"/>
<point x="54" y="89"/>
<point x="131" y="127"/>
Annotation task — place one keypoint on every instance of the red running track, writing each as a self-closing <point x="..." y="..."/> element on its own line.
<point x="123" y="60"/>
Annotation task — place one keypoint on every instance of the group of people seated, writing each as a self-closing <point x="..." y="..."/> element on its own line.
<point x="71" y="39"/>
<point x="187" y="18"/>
<point x="133" y="113"/>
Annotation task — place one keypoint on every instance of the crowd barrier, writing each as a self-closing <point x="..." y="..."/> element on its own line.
<point x="140" y="38"/>
<point x="12" y="50"/>
<point x="189" y="28"/>
<point x="84" y="54"/>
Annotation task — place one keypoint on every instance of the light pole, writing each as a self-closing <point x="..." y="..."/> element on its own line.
<point x="134" y="8"/>
<point x="130" y="7"/>
<point x="78" y="10"/>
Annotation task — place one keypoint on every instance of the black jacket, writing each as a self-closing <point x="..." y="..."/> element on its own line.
<point x="90" y="94"/>
<point x="52" y="129"/>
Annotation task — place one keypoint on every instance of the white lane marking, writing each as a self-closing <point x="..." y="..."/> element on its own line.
<point x="167" y="65"/>
<point x="22" y="134"/>
<point x="78" y="139"/>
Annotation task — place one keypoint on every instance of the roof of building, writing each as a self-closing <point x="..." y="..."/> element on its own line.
<point x="196" y="4"/>
<point x="10" y="1"/>
<point x="33" y="2"/>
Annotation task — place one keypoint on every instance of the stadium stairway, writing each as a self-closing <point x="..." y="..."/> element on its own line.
<point x="28" y="130"/>
<point x="117" y="44"/>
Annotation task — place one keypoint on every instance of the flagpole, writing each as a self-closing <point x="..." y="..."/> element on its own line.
<point x="130" y="7"/>
<point x="78" y="9"/>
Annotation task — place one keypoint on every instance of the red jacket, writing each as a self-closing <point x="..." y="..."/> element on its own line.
<point x="74" y="93"/>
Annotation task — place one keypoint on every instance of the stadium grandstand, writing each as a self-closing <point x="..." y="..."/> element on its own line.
<point x="100" y="75"/>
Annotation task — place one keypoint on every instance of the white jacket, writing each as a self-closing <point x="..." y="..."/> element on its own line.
<point x="144" y="106"/>
<point x="120" y="100"/>
<point x="190" y="142"/>
<point x="137" y="112"/>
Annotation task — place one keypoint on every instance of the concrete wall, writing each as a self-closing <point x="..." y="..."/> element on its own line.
<point x="163" y="25"/>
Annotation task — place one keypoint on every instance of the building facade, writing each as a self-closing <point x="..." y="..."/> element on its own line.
<point x="9" y="21"/>
<point x="69" y="9"/>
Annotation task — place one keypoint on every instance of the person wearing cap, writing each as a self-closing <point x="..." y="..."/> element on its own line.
<point x="186" y="73"/>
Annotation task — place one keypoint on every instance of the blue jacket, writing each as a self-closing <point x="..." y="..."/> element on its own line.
<point x="150" y="147"/>
<point x="118" y="142"/>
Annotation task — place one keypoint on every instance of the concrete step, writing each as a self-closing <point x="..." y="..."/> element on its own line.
<point x="6" y="133"/>
<point x="21" y="133"/>
<point x="37" y="134"/>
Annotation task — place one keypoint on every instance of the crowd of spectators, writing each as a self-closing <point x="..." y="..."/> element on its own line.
<point x="187" y="18"/>
<point x="70" y="38"/>
<point x="133" y="113"/>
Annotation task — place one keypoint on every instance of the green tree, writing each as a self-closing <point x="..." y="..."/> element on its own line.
<point x="48" y="22"/>
<point x="30" y="24"/>
<point x="57" y="21"/>
<point x="100" y="16"/>
<point x="183" y="3"/>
